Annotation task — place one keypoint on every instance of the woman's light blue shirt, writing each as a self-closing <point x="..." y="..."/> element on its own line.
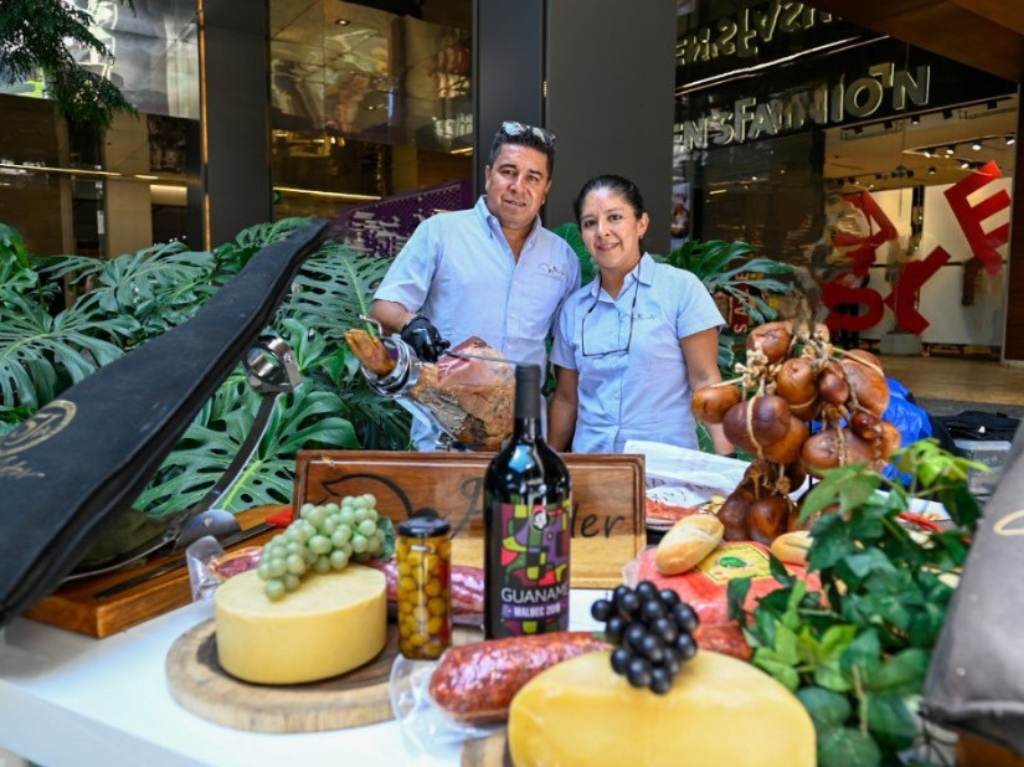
<point x="642" y="393"/>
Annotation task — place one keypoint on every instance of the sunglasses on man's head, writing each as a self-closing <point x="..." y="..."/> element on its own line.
<point x="512" y="128"/>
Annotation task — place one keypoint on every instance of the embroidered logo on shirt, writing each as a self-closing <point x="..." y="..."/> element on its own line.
<point x="551" y="270"/>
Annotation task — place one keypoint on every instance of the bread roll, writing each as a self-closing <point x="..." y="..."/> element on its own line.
<point x="688" y="542"/>
<point x="791" y="548"/>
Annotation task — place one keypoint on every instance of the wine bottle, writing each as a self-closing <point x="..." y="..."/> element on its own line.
<point x="527" y="526"/>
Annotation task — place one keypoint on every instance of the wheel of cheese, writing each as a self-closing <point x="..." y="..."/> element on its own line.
<point x="331" y="624"/>
<point x="720" y="712"/>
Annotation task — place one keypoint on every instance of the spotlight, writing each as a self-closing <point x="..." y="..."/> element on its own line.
<point x="342" y="22"/>
<point x="950" y="150"/>
<point x="931" y="170"/>
<point x="965" y="165"/>
<point x="753" y="178"/>
<point x="929" y="153"/>
<point x="976" y="146"/>
<point x="1010" y="141"/>
<point x="915" y="120"/>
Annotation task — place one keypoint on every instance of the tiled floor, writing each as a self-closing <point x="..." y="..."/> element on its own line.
<point x="959" y="381"/>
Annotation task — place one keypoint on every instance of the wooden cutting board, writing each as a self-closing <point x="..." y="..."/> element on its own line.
<point x="74" y="605"/>
<point x="360" y="697"/>
<point x="491" y="751"/>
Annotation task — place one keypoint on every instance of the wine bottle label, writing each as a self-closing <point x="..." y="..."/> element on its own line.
<point x="535" y="567"/>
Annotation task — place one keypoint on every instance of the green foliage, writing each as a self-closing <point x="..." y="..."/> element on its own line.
<point x="138" y="296"/>
<point x="35" y="36"/>
<point x="856" y="653"/>
<point x="570" y="232"/>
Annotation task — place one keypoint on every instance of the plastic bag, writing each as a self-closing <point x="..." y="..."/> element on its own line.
<point x="471" y="687"/>
<point x="209" y="565"/>
<point x="424" y="724"/>
<point x="705" y="587"/>
<point x="701" y="474"/>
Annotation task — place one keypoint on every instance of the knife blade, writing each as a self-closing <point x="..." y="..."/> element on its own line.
<point x="483" y="358"/>
<point x="180" y="561"/>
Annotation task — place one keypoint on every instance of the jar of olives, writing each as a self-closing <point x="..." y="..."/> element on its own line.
<point x="423" y="552"/>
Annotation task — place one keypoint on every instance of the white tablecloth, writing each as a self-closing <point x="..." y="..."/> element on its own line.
<point x="66" y="699"/>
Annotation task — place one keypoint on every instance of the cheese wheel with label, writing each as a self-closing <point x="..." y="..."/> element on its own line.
<point x="720" y="712"/>
<point x="331" y="624"/>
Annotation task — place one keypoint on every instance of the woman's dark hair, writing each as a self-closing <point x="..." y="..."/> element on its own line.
<point x="617" y="184"/>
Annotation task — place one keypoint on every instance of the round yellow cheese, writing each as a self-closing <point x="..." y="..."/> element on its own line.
<point x="720" y="712"/>
<point x="332" y="623"/>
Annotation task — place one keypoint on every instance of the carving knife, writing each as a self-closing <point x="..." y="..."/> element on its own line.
<point x="181" y="560"/>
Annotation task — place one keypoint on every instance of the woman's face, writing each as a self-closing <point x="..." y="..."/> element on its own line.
<point x="611" y="230"/>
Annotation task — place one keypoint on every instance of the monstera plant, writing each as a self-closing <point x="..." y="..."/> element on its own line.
<point x="138" y="296"/>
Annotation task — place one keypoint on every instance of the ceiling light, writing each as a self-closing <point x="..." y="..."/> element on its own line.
<point x="976" y="146"/>
<point x="915" y="120"/>
<point x="950" y="149"/>
<point x="753" y="178"/>
<point x="965" y="165"/>
<point x="1010" y="141"/>
<point x="342" y="22"/>
<point x="931" y="170"/>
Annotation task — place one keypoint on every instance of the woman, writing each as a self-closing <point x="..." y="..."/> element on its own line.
<point x="630" y="347"/>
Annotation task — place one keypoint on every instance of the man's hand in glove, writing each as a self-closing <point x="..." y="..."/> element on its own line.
<point x="424" y="339"/>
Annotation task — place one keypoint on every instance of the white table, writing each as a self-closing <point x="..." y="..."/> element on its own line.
<point x="67" y="699"/>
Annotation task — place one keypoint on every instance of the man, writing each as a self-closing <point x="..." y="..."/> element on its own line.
<point x="492" y="271"/>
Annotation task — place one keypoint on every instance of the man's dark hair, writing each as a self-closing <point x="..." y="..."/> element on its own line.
<point x="521" y="134"/>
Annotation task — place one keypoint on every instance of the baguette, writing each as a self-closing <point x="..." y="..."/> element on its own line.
<point x="791" y="548"/>
<point x="687" y="543"/>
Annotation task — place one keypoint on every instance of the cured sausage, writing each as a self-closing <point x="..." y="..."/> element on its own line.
<point x="475" y="683"/>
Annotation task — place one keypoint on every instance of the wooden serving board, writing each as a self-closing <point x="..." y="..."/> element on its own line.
<point x="74" y="607"/>
<point x="360" y="697"/>
<point x="608" y="500"/>
<point x="491" y="751"/>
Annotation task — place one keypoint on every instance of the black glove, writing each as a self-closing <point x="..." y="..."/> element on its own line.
<point x="424" y="339"/>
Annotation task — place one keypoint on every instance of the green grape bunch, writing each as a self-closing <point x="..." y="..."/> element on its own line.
<point x="323" y="539"/>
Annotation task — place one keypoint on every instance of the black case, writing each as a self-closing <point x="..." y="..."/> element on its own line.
<point x="976" y="678"/>
<point x="70" y="469"/>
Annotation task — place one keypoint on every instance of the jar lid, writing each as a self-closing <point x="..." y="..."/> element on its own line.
<point x="424" y="526"/>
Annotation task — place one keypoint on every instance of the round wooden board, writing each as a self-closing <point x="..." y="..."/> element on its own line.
<point x="491" y="751"/>
<point x="360" y="697"/>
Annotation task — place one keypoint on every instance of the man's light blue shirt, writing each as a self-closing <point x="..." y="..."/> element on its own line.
<point x="642" y="393"/>
<point x="459" y="271"/>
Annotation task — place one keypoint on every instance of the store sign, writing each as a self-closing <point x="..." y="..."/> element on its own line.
<point x="825" y="104"/>
<point x="903" y="298"/>
<point x="742" y="34"/>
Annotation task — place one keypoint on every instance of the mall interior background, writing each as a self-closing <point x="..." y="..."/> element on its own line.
<point x="789" y="124"/>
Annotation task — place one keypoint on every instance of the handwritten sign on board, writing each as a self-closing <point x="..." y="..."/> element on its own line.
<point x="608" y="500"/>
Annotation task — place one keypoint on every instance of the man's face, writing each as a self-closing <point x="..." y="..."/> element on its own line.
<point x="517" y="185"/>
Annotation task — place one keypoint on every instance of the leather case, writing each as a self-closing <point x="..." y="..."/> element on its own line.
<point x="67" y="472"/>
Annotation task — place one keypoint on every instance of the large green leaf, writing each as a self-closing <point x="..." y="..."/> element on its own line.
<point x="333" y="289"/>
<point x="304" y="419"/>
<point x="40" y="355"/>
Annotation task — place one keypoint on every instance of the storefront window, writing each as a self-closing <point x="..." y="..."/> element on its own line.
<point x="367" y="103"/>
<point x="75" y="192"/>
<point x="856" y="156"/>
